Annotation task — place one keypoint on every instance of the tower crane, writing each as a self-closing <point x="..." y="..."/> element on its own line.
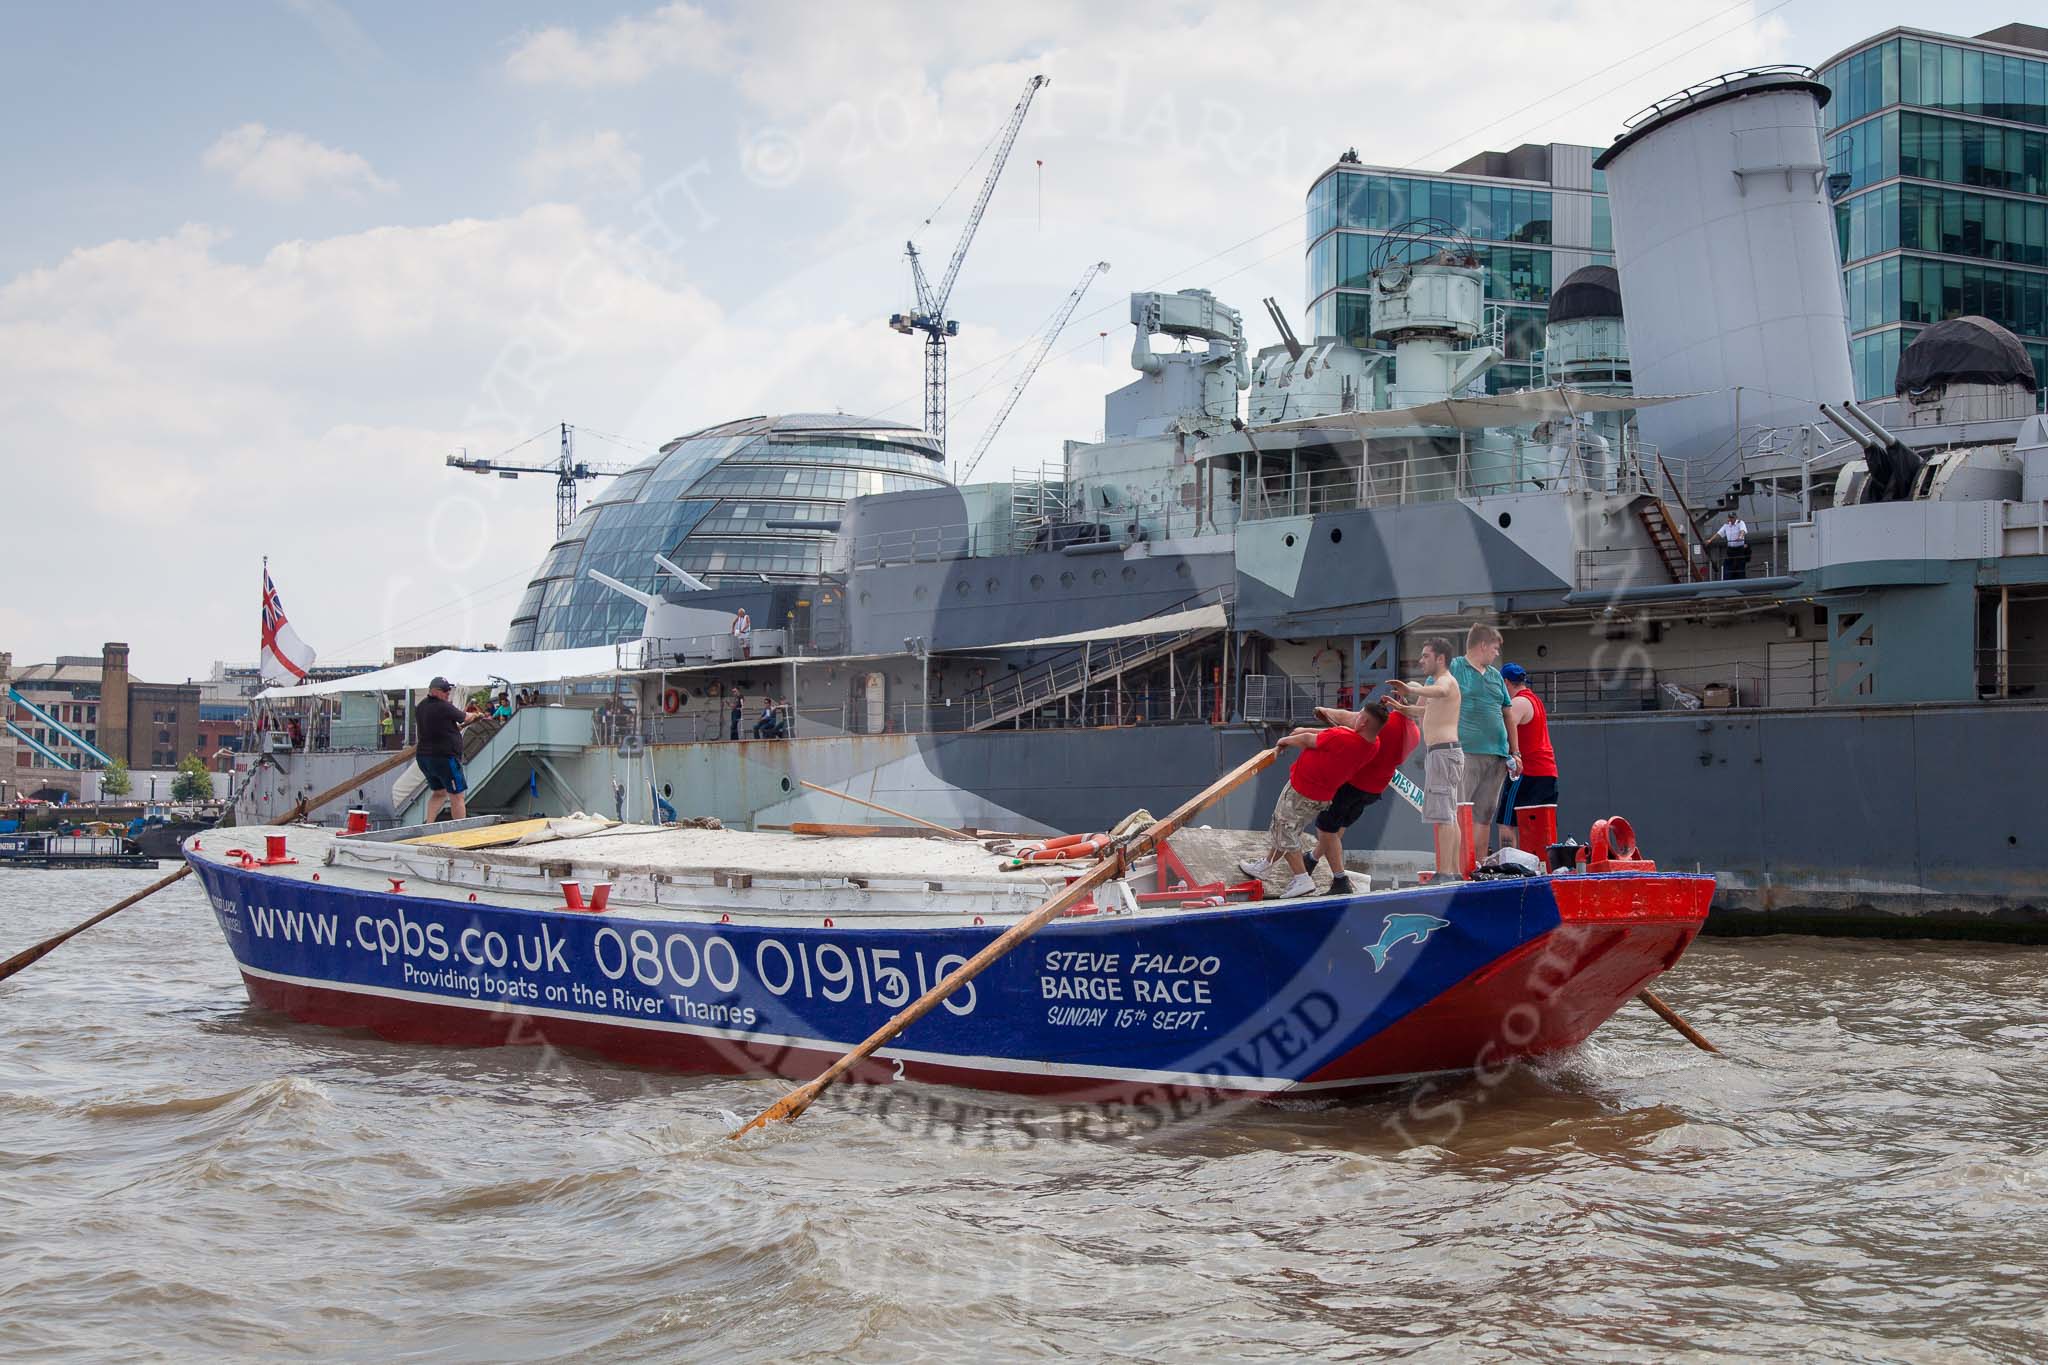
<point x="568" y="471"/>
<point x="930" y="315"/>
<point x="1052" y="333"/>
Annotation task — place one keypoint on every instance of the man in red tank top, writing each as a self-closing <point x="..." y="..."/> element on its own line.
<point x="1537" y="785"/>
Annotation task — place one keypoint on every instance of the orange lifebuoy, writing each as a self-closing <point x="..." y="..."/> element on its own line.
<point x="1071" y="848"/>
<point x="671" y="701"/>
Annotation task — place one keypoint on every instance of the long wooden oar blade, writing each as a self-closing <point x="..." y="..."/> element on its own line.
<point x="900" y="815"/>
<point x="28" y="956"/>
<point x="1671" y="1017"/>
<point x="793" y="1104"/>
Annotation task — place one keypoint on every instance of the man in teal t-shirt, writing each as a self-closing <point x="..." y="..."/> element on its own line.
<point x="1489" y="738"/>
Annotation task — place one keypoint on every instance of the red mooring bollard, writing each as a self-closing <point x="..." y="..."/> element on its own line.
<point x="572" y="896"/>
<point x="273" y="848"/>
<point x="600" y="896"/>
<point x="358" y="822"/>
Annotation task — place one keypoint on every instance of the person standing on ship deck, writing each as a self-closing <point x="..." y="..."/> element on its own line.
<point x="438" y="723"/>
<point x="742" y="631"/>
<point x="1492" y="750"/>
<point x="739" y="709"/>
<point x="1537" y="786"/>
<point x="1734" y="533"/>
<point x="1443" y="762"/>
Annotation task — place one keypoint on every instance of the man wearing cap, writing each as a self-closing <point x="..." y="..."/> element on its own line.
<point x="1536" y="787"/>
<point x="438" y="722"/>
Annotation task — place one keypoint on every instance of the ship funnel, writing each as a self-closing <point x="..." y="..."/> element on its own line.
<point x="1724" y="238"/>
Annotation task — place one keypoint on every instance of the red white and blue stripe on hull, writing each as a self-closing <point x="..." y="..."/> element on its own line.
<point x="1263" y="998"/>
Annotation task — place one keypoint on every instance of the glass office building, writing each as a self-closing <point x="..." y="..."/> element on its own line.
<point x="728" y="502"/>
<point x="1938" y="152"/>
<point x="1535" y="214"/>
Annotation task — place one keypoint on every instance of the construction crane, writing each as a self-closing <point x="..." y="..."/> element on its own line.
<point x="568" y="471"/>
<point x="1052" y="334"/>
<point x="930" y="317"/>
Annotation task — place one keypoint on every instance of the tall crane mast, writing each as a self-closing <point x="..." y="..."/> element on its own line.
<point x="1052" y="334"/>
<point x="930" y="315"/>
<point x="567" y="469"/>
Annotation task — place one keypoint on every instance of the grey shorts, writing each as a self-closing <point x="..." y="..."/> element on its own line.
<point x="1485" y="775"/>
<point x="1443" y="775"/>
<point x="1291" y="815"/>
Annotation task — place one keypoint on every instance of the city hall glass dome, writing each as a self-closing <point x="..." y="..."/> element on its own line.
<point x="706" y="502"/>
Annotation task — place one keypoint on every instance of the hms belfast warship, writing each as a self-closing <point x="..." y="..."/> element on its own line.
<point x="1849" y="736"/>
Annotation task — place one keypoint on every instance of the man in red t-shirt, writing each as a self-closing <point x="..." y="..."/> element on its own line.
<point x="1393" y="737"/>
<point x="1537" y="784"/>
<point x="1327" y="759"/>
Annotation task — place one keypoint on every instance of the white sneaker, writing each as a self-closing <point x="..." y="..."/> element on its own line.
<point x="1303" y="885"/>
<point x="1256" y="871"/>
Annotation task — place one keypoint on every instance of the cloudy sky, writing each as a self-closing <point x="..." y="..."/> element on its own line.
<point x="265" y="265"/>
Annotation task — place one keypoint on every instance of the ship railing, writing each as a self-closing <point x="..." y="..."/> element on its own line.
<point x="1795" y="677"/>
<point x="2005" y="675"/>
<point x="1076" y="669"/>
<point x="1579" y="467"/>
<point x="655" y="651"/>
<point x="939" y="544"/>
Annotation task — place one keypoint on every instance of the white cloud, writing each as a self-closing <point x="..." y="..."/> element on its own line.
<point x="600" y="160"/>
<point x="210" y="411"/>
<point x="625" y="52"/>
<point x="281" y="165"/>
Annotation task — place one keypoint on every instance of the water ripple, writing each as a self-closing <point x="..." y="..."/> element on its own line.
<point x="1863" y="1176"/>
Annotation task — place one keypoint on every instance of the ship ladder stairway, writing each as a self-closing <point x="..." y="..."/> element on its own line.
<point x="1094" y="663"/>
<point x="1670" y="524"/>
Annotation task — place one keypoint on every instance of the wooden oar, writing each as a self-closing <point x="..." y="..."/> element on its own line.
<point x="793" y="1104"/>
<point x="31" y="955"/>
<point x="900" y="815"/>
<point x="1670" y="1016"/>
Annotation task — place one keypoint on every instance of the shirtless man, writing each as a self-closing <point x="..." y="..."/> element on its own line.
<point x="1443" y="764"/>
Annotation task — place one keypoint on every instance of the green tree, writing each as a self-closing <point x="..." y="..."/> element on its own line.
<point x="194" y="782"/>
<point x="114" y="781"/>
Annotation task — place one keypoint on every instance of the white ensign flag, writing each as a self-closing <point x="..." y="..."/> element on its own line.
<point x="285" y="657"/>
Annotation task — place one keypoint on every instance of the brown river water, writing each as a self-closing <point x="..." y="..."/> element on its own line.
<point x="1863" y="1176"/>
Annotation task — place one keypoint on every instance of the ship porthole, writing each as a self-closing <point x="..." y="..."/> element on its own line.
<point x="1289" y="542"/>
<point x="785" y="784"/>
<point x="1505" y="521"/>
<point x="1037" y="581"/>
<point x="1336" y="535"/>
<point x="1130" y="574"/>
<point x="1067" y="578"/>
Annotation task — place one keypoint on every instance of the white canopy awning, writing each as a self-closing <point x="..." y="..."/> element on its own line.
<point x="476" y="668"/>
<point x="1472" y="414"/>
<point x="1211" y="617"/>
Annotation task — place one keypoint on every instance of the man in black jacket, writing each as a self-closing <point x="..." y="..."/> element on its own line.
<point x="438" y="722"/>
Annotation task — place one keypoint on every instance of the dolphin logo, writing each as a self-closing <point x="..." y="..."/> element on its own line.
<point x="1401" y="929"/>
